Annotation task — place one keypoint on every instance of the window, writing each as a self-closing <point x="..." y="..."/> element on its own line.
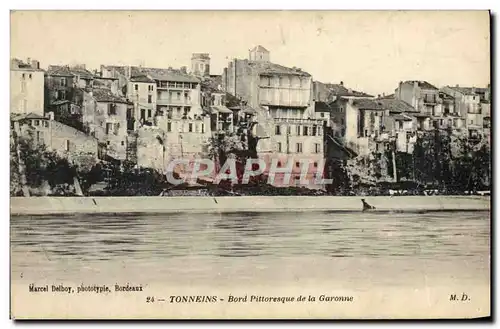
<point x="111" y="109"/>
<point x="30" y="76"/>
<point x="316" y="164"/>
<point x="24" y="76"/>
<point x="67" y="145"/>
<point x="37" y="123"/>
<point x="45" y="123"/>
<point x="279" y="147"/>
<point x="319" y="131"/>
<point x="62" y="95"/>
<point x="109" y="128"/>
<point x="297" y="164"/>
<point x="151" y="88"/>
<point x="278" y="130"/>
<point x="150" y="99"/>
<point x="298" y="130"/>
<point x="169" y="126"/>
<point x="317" y="149"/>
<point x="143" y="114"/>
<point x="178" y="94"/>
<point x="190" y="127"/>
<point x="306" y="131"/>
<point x="149" y="113"/>
<point x="472" y="122"/>
<point x="23" y="86"/>
<point x="63" y="82"/>
<point x="314" y="131"/>
<point x="441" y="122"/>
<point x="299" y="147"/>
<point x="186" y="96"/>
<point x="342" y="121"/>
<point x="107" y="143"/>
<point x="123" y="143"/>
<point x="136" y="87"/>
<point x="202" y="128"/>
<point x="322" y="114"/>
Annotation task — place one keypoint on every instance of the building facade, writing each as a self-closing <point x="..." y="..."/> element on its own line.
<point x="105" y="117"/>
<point x="27" y="87"/>
<point x="288" y="127"/>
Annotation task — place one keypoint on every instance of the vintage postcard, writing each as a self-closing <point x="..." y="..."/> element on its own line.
<point x="250" y="164"/>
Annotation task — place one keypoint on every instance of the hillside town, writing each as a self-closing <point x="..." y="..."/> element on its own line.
<point x="82" y="131"/>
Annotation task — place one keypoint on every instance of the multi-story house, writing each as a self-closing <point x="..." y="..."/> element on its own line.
<point x="287" y="124"/>
<point x="67" y="141"/>
<point x="26" y="87"/>
<point x="141" y="91"/>
<point x="400" y="125"/>
<point x="424" y="97"/>
<point x="468" y="104"/>
<point x="105" y="117"/>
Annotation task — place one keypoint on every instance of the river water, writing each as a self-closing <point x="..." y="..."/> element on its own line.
<point x="361" y="249"/>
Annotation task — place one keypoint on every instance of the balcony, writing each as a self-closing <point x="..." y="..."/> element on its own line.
<point x="299" y="121"/>
<point x="172" y="101"/>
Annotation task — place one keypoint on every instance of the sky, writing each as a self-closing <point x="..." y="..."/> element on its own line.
<point x="370" y="51"/>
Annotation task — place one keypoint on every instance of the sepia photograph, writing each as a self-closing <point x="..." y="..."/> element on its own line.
<point x="250" y="164"/>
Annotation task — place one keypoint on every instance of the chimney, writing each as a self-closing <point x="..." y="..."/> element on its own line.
<point x="184" y="69"/>
<point x="383" y="94"/>
<point x="415" y="84"/>
<point x="51" y="116"/>
<point x="341" y="83"/>
<point x="456" y="86"/>
<point x="128" y="72"/>
<point x="35" y="64"/>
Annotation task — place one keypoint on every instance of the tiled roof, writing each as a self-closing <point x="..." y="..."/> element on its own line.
<point x="141" y="78"/>
<point x="338" y="90"/>
<point x="66" y="71"/>
<point x="470" y="91"/>
<point x="105" y="95"/>
<point x="168" y="75"/>
<point x="272" y="68"/>
<point x="422" y="84"/>
<point x="368" y="104"/>
<point x="58" y="70"/>
<point x="396" y="105"/>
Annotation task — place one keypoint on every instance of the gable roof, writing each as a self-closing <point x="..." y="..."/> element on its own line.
<point x="168" y="75"/>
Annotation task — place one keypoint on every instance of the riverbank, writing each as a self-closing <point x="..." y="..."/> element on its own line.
<point x="69" y="205"/>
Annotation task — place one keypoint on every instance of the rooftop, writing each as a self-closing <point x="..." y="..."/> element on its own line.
<point x="105" y="95"/>
<point x="422" y="84"/>
<point x="168" y="75"/>
<point x="23" y="116"/>
<point x="272" y="68"/>
<point x="67" y="71"/>
<point x="259" y="48"/>
<point x="396" y="105"/>
<point x="368" y="104"/>
<point x="470" y="91"/>
<point x="142" y="78"/>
